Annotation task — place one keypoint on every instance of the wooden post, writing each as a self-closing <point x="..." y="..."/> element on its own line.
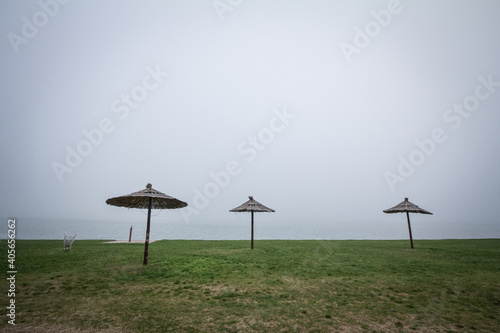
<point x="409" y="229"/>
<point x="147" y="233"/>
<point x="130" y="235"/>
<point x="251" y="245"/>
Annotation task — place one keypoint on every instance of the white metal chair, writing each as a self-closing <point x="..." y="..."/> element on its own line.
<point x="68" y="241"/>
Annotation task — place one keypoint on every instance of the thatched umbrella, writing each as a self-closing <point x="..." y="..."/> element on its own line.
<point x="150" y="199"/>
<point x="407" y="207"/>
<point x="252" y="206"/>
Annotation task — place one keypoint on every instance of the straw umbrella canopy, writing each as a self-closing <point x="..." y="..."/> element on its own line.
<point x="407" y="207"/>
<point x="252" y="206"/>
<point x="150" y="199"/>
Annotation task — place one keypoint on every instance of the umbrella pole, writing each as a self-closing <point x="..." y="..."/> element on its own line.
<point x="146" y="244"/>
<point x="409" y="229"/>
<point x="251" y="244"/>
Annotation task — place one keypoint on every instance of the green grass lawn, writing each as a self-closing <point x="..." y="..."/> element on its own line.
<point x="280" y="286"/>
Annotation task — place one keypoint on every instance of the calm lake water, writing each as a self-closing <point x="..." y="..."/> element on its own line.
<point x="32" y="228"/>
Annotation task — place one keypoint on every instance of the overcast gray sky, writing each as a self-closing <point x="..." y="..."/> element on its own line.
<point x="326" y="111"/>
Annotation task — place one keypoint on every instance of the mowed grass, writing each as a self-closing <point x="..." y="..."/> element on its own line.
<point x="280" y="286"/>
